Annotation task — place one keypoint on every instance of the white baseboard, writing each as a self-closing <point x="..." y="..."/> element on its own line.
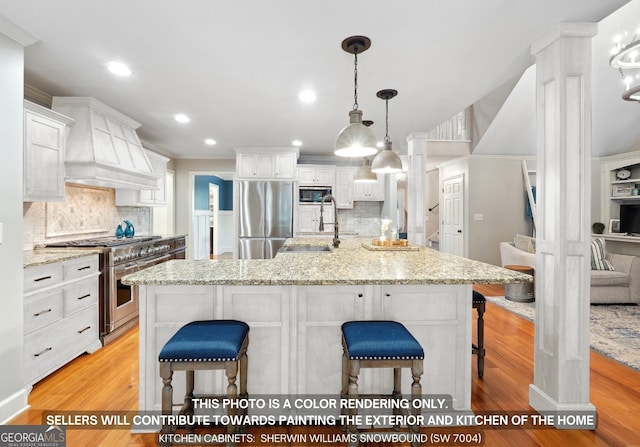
<point x="544" y="404"/>
<point x="13" y="405"/>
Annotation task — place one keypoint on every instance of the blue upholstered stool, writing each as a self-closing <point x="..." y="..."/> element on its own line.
<point x="479" y="302"/>
<point x="204" y="345"/>
<point x="380" y="344"/>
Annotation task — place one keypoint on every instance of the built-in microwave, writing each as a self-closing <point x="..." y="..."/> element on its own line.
<point x="312" y="194"/>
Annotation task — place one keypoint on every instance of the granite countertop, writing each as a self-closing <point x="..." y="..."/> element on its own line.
<point x="350" y="264"/>
<point x="50" y="255"/>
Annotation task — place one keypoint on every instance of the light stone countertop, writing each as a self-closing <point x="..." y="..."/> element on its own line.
<point x="49" y="256"/>
<point x="350" y="264"/>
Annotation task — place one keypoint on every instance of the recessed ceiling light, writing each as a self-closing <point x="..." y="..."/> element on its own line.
<point x="182" y="118"/>
<point x="297" y="143"/>
<point x="210" y="141"/>
<point x="118" y="68"/>
<point x="307" y="96"/>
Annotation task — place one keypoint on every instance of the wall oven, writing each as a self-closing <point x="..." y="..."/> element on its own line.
<point x="309" y="195"/>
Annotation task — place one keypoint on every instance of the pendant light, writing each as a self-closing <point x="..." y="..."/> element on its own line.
<point x="364" y="174"/>
<point x="386" y="161"/>
<point x="355" y="140"/>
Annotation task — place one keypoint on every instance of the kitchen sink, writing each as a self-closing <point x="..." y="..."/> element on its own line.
<point x="307" y="248"/>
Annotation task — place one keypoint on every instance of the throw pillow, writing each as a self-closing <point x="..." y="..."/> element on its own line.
<point x="524" y="243"/>
<point x="598" y="253"/>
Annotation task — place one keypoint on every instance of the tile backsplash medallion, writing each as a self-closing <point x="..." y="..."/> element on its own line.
<point x="87" y="212"/>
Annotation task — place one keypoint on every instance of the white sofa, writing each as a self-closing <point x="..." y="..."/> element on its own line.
<point x="620" y="286"/>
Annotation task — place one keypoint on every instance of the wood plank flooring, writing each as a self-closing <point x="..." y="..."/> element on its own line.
<point x="108" y="380"/>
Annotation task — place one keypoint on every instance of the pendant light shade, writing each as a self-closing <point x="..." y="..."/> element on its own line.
<point x="387" y="161"/>
<point x="355" y="140"/>
<point x="364" y="174"/>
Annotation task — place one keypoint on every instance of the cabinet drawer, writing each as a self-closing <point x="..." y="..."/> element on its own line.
<point x="81" y="329"/>
<point x="43" y="350"/>
<point x="58" y="343"/>
<point x="42" y="309"/>
<point x="80" y="295"/>
<point x="77" y="268"/>
<point x="42" y="276"/>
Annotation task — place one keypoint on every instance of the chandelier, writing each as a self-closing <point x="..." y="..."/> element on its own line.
<point x="626" y="58"/>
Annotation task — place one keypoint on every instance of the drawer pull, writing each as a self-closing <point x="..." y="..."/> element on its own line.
<point x="85" y="329"/>
<point x="84" y="268"/>
<point x="84" y="296"/>
<point x="359" y="295"/>
<point x="37" y="314"/>
<point x="43" y="351"/>
<point x="42" y="278"/>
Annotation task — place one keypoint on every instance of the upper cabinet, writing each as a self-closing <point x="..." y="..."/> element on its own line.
<point x="316" y="175"/>
<point x="372" y="192"/>
<point x="266" y="163"/>
<point x="45" y="139"/>
<point x="147" y="197"/>
<point x="343" y="191"/>
<point x="103" y="148"/>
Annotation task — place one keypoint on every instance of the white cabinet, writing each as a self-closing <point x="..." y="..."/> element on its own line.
<point x="272" y="164"/>
<point x="343" y="190"/>
<point x="60" y="314"/>
<point x="372" y="192"/>
<point x="316" y="175"/>
<point x="45" y="138"/>
<point x="347" y="191"/>
<point x="308" y="218"/>
<point x="147" y="197"/>
<point x="321" y="312"/>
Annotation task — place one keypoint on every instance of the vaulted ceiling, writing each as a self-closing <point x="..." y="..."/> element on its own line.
<point x="237" y="67"/>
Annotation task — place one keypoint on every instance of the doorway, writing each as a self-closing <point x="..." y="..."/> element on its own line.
<point x="214" y="206"/>
<point x="452" y="238"/>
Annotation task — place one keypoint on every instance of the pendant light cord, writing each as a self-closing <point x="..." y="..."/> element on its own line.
<point x="355" y="80"/>
<point x="386" y="125"/>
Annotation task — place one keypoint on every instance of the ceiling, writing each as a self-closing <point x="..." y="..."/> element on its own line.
<point x="236" y="67"/>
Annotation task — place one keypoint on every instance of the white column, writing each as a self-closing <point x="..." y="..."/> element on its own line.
<point x="562" y="275"/>
<point x="416" y="187"/>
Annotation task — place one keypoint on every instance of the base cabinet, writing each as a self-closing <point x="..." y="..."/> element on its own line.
<point x="295" y="339"/>
<point x="60" y="314"/>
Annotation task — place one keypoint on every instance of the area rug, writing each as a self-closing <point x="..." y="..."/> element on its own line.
<point x="615" y="330"/>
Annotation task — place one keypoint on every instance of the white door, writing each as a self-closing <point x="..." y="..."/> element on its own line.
<point x="452" y="231"/>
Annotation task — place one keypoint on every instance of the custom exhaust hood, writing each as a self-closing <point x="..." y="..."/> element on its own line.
<point x="103" y="148"/>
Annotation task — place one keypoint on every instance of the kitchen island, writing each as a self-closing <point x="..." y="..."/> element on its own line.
<point x="296" y="303"/>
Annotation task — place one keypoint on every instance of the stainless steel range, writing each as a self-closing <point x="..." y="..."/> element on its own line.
<point x="120" y="257"/>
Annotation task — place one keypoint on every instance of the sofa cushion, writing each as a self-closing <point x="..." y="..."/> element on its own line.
<point x="524" y="243"/>
<point x="598" y="253"/>
<point x="609" y="278"/>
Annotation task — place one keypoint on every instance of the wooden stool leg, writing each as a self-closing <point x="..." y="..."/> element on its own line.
<point x="354" y="372"/>
<point x="187" y="406"/>
<point x="231" y="370"/>
<point x="480" y="358"/>
<point x="397" y="391"/>
<point x="244" y="366"/>
<point x="166" y="373"/>
<point x="416" y="394"/>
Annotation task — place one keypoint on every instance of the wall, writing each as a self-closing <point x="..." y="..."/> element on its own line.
<point x="495" y="190"/>
<point x="93" y="207"/>
<point x="13" y="397"/>
<point x="201" y="192"/>
<point x="432" y="197"/>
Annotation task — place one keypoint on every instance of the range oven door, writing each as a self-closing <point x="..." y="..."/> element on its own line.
<point x="122" y="303"/>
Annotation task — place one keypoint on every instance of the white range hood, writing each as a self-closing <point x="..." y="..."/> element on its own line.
<point x="103" y="148"/>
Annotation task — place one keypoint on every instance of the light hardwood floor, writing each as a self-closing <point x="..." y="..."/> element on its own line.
<point x="108" y="380"/>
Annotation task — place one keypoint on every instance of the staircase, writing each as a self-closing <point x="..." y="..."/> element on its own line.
<point x="529" y="178"/>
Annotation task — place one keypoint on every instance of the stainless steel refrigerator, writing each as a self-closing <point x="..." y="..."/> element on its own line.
<point x="265" y="214"/>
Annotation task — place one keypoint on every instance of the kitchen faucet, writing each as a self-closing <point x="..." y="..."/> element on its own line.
<point x="336" y="241"/>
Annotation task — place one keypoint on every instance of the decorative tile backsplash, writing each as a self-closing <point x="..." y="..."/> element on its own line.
<point x="364" y="218"/>
<point x="86" y="212"/>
